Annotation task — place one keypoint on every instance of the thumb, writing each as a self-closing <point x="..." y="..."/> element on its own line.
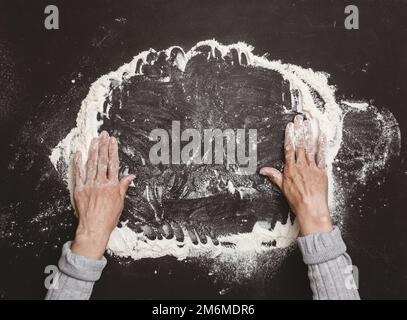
<point x="274" y="175"/>
<point x="124" y="184"/>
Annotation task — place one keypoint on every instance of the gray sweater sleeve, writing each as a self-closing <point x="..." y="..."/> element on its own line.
<point x="76" y="276"/>
<point x="329" y="266"/>
<point x="329" y="270"/>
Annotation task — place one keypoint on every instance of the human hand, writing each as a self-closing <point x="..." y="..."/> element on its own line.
<point x="98" y="196"/>
<point x="304" y="181"/>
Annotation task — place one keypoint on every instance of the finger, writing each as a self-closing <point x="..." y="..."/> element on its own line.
<point x="299" y="139"/>
<point x="113" y="166"/>
<point x="79" y="178"/>
<point x="91" y="164"/>
<point x="321" y="154"/>
<point x="289" y="144"/>
<point x="309" y="142"/>
<point x="124" y="184"/>
<point x="103" y="156"/>
<point x="274" y="175"/>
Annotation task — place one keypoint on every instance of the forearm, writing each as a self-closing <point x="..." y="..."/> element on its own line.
<point x="76" y="277"/>
<point x="329" y="266"/>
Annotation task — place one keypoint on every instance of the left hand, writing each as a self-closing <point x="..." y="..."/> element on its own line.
<point x="99" y="196"/>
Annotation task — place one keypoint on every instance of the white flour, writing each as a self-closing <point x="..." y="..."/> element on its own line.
<point x="311" y="95"/>
<point x="124" y="242"/>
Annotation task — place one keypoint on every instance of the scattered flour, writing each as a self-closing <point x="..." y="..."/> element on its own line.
<point x="124" y="242"/>
<point x="311" y="95"/>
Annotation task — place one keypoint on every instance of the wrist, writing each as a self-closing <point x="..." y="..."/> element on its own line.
<point x="89" y="245"/>
<point x="315" y="223"/>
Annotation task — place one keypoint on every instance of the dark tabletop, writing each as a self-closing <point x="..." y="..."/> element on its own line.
<point x="36" y="69"/>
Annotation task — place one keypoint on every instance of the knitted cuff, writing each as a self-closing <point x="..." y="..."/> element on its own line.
<point x="79" y="267"/>
<point x="321" y="247"/>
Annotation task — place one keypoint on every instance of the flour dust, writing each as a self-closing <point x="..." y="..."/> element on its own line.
<point x="348" y="126"/>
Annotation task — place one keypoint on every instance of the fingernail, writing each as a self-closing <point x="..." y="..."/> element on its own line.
<point x="298" y="117"/>
<point x="104" y="134"/>
<point x="263" y="171"/>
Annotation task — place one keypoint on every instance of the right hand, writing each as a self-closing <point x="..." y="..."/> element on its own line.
<point x="304" y="181"/>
